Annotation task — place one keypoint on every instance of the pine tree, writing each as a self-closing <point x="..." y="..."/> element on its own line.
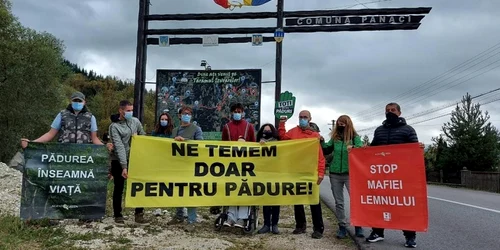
<point x="473" y="141"/>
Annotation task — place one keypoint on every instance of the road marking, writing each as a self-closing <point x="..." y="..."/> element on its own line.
<point x="465" y="204"/>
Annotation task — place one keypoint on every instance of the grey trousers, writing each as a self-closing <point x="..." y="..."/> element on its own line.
<point x="338" y="182"/>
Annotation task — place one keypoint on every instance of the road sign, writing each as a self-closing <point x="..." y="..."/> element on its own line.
<point x="164" y="41"/>
<point x="279" y="35"/>
<point x="257" y="40"/>
<point x="346" y="20"/>
<point x="212" y="40"/>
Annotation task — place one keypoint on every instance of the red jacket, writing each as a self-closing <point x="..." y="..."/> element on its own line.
<point x="298" y="133"/>
<point x="237" y="129"/>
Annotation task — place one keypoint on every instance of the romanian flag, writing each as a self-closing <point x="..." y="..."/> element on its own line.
<point x="228" y="4"/>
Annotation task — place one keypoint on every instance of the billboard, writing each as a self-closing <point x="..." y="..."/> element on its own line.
<point x="210" y="93"/>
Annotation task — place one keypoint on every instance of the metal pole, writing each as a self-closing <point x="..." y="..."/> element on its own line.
<point x="138" y="93"/>
<point x="279" y="56"/>
<point x="144" y="61"/>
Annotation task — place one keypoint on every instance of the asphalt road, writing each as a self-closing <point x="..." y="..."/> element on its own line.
<point x="458" y="219"/>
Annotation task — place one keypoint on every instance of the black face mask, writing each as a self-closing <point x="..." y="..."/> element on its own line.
<point x="341" y="129"/>
<point x="267" y="134"/>
<point x="391" y="118"/>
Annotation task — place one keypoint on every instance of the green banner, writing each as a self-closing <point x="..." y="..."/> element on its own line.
<point x="64" y="181"/>
<point x="285" y="105"/>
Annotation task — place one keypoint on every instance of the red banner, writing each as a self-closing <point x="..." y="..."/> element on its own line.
<point x="388" y="187"/>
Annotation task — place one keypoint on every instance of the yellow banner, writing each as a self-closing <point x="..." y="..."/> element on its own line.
<point x="166" y="173"/>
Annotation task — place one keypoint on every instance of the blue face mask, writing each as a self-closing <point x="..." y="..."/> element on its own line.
<point x="237" y="116"/>
<point x="77" y="106"/>
<point x="163" y="123"/>
<point x="303" y="123"/>
<point x="128" y="115"/>
<point x="186" y="118"/>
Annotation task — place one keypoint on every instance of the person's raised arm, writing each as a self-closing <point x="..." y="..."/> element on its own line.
<point x="282" y="131"/>
<point x="54" y="129"/>
<point x="47" y="136"/>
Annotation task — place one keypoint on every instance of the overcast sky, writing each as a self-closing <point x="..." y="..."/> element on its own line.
<point x="331" y="74"/>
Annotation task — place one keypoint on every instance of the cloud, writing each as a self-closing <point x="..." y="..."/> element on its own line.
<point x="354" y="73"/>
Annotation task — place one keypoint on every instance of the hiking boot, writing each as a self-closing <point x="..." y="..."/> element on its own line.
<point x="374" y="238"/>
<point x="358" y="231"/>
<point x="189" y="228"/>
<point x="317" y="235"/>
<point x="299" y="230"/>
<point x="139" y="219"/>
<point x="175" y="221"/>
<point x="264" y="229"/>
<point x="120" y="221"/>
<point x="275" y="229"/>
<point x="410" y="242"/>
<point x="342" y="232"/>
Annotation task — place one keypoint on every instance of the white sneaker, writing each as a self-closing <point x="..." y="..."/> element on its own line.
<point x="228" y="223"/>
<point x="240" y="223"/>
<point x="157" y="212"/>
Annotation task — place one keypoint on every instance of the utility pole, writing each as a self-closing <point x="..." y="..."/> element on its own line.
<point x="333" y="125"/>
<point x="279" y="57"/>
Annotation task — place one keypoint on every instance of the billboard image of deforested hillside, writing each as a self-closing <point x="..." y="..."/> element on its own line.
<point x="210" y="93"/>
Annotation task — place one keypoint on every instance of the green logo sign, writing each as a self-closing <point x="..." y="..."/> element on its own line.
<point x="285" y="105"/>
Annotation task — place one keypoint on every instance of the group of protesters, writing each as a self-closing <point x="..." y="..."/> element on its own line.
<point x="76" y="124"/>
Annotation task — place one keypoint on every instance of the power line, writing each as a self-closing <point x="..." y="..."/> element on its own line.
<point x="441" y="108"/>
<point x="361" y="4"/>
<point x="494" y="99"/>
<point x="457" y="67"/>
<point x="364" y="3"/>
<point x="448" y="105"/>
<point x="417" y="100"/>
<point x="436" y="92"/>
<point x="444" y="74"/>
<point x="435" y="124"/>
<point x="415" y="116"/>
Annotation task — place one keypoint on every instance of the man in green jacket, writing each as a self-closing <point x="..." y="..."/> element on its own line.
<point x="121" y="130"/>
<point x="343" y="138"/>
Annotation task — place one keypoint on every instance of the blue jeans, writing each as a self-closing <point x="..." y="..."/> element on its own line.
<point x="191" y="214"/>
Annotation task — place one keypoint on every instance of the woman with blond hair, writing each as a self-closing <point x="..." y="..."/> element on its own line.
<point x="343" y="138"/>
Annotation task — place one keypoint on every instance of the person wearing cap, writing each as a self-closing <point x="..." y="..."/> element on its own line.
<point x="75" y="124"/>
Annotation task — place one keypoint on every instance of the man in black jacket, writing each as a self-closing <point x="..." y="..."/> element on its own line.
<point x="393" y="130"/>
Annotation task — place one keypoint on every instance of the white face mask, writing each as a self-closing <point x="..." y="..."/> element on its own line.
<point x="128" y="115"/>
